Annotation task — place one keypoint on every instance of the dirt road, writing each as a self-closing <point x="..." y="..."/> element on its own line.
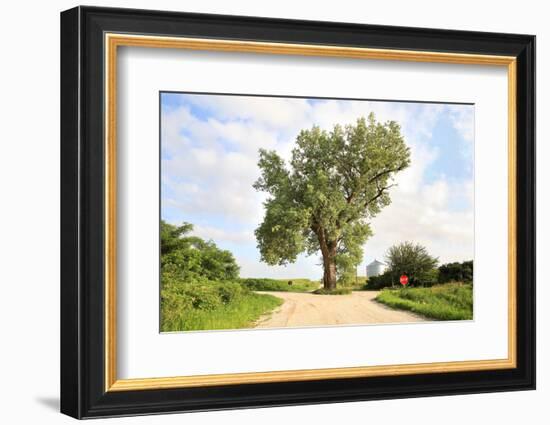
<point x="306" y="309"/>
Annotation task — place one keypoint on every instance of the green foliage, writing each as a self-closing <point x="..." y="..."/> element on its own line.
<point x="414" y="261"/>
<point x="200" y="288"/>
<point x="323" y="201"/>
<point x="456" y="272"/>
<point x="357" y="283"/>
<point x="264" y="284"/>
<point x="204" y="304"/>
<point x="240" y="312"/>
<point x="230" y="291"/>
<point x="453" y="301"/>
<point x="336" y="291"/>
<point x="188" y="258"/>
<point x="202" y="295"/>
<point x="382" y="281"/>
<point x="430" y="278"/>
<point x="171" y="236"/>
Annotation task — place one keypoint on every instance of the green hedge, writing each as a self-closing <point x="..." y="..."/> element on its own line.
<point x="378" y="282"/>
<point x="387" y="279"/>
<point x="456" y="272"/>
<point x="291" y="285"/>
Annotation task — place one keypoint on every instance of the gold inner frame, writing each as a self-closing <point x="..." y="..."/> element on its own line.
<point x="113" y="41"/>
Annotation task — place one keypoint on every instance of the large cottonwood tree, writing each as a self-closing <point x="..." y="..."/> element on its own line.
<point x="324" y="199"/>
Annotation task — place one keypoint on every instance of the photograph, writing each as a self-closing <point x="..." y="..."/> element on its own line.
<point x="285" y="211"/>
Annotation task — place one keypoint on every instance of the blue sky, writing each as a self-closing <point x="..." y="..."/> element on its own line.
<point x="209" y="152"/>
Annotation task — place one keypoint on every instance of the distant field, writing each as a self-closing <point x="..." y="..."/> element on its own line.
<point x="451" y="301"/>
<point x="264" y="284"/>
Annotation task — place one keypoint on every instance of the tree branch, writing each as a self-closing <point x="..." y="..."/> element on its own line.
<point x="351" y="196"/>
<point x="391" y="170"/>
<point x="378" y="195"/>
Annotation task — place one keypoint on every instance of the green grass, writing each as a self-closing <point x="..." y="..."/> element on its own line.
<point x="337" y="291"/>
<point x="241" y="312"/>
<point x="452" y="301"/>
<point x="264" y="284"/>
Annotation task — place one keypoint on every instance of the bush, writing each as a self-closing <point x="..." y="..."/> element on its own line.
<point x="185" y="257"/>
<point x="429" y="278"/>
<point x="199" y="294"/>
<point x="388" y="279"/>
<point x="381" y="281"/>
<point x="204" y="297"/>
<point x="230" y="291"/>
<point x="173" y="304"/>
<point x="456" y="272"/>
<point x="414" y="261"/>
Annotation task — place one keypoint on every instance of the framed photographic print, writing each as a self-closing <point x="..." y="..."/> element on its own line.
<point x="261" y="212"/>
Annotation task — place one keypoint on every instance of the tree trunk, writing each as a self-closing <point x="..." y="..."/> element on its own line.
<point x="328" y="250"/>
<point x="329" y="275"/>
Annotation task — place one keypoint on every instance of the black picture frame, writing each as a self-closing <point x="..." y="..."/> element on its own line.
<point x="83" y="392"/>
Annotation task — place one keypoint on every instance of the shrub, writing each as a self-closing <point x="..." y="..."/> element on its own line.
<point x="230" y="291"/>
<point x="456" y="272"/>
<point x="414" y="261"/>
<point x="173" y="304"/>
<point x="187" y="257"/>
<point x="200" y="296"/>
<point x="388" y="279"/>
<point x="428" y="278"/>
<point x="381" y="281"/>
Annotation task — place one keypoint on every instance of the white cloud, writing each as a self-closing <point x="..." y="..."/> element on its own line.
<point x="233" y="201"/>
<point x="462" y="118"/>
<point x="269" y="114"/>
<point x="423" y="217"/>
<point x="217" y="234"/>
<point x="305" y="268"/>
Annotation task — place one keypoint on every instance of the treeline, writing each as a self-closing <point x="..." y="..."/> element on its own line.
<point x="420" y="267"/>
<point x="457" y="272"/>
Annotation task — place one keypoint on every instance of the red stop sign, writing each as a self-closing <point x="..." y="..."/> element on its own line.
<point x="403" y="279"/>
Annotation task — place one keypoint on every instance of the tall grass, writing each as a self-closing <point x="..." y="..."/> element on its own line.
<point x="203" y="304"/>
<point x="452" y="301"/>
<point x="240" y="312"/>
